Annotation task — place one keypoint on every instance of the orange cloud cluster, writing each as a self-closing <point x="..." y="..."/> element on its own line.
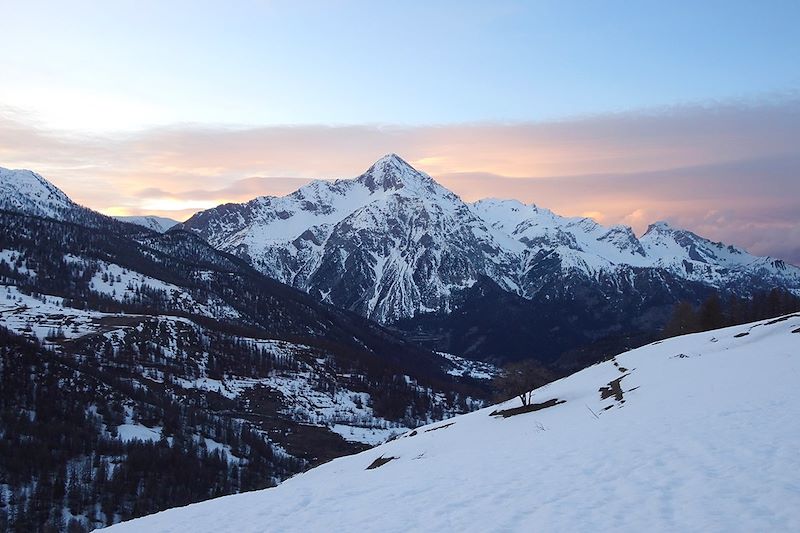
<point x="731" y="172"/>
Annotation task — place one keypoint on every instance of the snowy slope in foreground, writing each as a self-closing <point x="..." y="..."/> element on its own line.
<point x="696" y="433"/>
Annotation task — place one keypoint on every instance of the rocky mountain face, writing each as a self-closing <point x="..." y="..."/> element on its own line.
<point x="395" y="246"/>
<point x="389" y="244"/>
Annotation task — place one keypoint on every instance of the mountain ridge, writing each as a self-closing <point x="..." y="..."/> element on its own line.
<point x="397" y="217"/>
<point x="323" y="238"/>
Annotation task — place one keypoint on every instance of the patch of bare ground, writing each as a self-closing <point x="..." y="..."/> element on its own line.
<point x="380" y="461"/>
<point x="315" y="444"/>
<point x="614" y="388"/>
<point x="742" y="334"/>
<point x="796" y="330"/>
<point x="440" y="427"/>
<point x="779" y="319"/>
<point x="530" y="408"/>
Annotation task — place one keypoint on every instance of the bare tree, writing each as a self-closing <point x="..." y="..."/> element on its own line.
<point x="520" y="379"/>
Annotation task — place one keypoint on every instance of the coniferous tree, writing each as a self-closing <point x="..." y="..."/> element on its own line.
<point x="710" y="315"/>
<point x="683" y="320"/>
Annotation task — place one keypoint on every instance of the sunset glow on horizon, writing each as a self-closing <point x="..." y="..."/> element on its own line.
<point x="220" y="106"/>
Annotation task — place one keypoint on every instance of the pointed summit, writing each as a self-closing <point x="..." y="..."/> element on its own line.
<point x="392" y="157"/>
<point x="393" y="172"/>
<point x="393" y="160"/>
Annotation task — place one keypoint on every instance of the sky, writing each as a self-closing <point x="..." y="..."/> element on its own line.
<point x="629" y="112"/>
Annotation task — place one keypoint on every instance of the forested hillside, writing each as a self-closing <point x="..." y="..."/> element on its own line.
<point x="144" y="371"/>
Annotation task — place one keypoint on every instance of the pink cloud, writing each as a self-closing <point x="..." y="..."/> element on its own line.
<point x="726" y="171"/>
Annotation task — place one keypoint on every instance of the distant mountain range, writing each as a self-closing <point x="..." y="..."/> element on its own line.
<point x="495" y="280"/>
<point x="395" y="246"/>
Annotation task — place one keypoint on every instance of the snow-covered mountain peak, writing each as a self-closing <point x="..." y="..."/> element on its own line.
<point x="28" y="192"/>
<point x="391" y="172"/>
<point x="388" y="244"/>
<point x="393" y="243"/>
<point x="623" y="238"/>
<point x="660" y="226"/>
<point x="393" y="162"/>
<point x="393" y="159"/>
<point x="662" y="234"/>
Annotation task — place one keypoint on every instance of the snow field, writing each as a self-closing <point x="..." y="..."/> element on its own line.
<point x="700" y="435"/>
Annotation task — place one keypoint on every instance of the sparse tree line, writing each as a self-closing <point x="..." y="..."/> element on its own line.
<point x="519" y="379"/>
<point x="721" y="311"/>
